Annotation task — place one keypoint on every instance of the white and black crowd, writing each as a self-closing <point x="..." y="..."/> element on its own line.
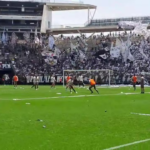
<point x="78" y="53"/>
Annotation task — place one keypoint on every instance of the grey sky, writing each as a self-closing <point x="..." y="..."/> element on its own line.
<point x="105" y="9"/>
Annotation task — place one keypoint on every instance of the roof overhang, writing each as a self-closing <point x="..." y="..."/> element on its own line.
<point x="84" y="30"/>
<point x="69" y="6"/>
<point x="70" y="30"/>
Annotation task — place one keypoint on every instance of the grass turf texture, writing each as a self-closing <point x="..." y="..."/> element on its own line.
<point x="72" y="123"/>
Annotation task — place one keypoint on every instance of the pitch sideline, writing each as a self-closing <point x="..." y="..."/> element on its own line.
<point x="140" y="114"/>
<point x="128" y="144"/>
<point x="38" y="98"/>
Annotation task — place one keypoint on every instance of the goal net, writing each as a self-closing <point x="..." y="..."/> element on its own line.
<point x="102" y="77"/>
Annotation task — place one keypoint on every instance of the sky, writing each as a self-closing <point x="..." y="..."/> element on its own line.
<point x="105" y="9"/>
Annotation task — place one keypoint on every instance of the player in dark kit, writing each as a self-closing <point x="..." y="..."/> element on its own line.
<point x="70" y="85"/>
<point x="142" y="85"/>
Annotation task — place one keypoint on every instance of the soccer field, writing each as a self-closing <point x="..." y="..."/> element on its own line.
<point x="54" y="119"/>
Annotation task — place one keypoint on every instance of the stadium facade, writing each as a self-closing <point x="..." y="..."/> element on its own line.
<point x="17" y="16"/>
<point x="114" y="21"/>
<point x="30" y="15"/>
<point x="36" y="15"/>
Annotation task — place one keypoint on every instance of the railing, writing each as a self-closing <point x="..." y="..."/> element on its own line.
<point x="87" y="22"/>
<point x="122" y="19"/>
<point x="68" y="26"/>
<point x="17" y="27"/>
<point x="104" y="24"/>
<point x="21" y="13"/>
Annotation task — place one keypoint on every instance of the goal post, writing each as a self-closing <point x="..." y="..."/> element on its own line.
<point x="146" y="77"/>
<point x="103" y="74"/>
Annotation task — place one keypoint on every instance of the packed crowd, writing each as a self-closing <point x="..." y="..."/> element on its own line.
<point x="85" y="53"/>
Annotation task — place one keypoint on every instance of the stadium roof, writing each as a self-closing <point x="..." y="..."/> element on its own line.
<point x="56" y="31"/>
<point x="69" y="6"/>
<point x="114" y="28"/>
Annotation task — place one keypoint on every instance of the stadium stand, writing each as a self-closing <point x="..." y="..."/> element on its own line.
<point x="27" y="57"/>
<point x="110" y="22"/>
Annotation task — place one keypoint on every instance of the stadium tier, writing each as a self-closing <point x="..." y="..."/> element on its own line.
<point x="20" y="16"/>
<point x="123" y="55"/>
<point x="114" y="21"/>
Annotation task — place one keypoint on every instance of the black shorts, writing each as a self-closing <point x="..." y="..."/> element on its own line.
<point x="142" y="85"/>
<point x="93" y="86"/>
<point x="134" y="84"/>
<point x="71" y="86"/>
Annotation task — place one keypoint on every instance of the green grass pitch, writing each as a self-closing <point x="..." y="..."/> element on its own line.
<point x="73" y="121"/>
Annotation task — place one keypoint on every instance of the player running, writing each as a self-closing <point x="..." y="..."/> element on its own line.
<point x="134" y="80"/>
<point x="15" y="80"/>
<point x="70" y="85"/>
<point x="36" y="82"/>
<point x="142" y="85"/>
<point x="93" y="85"/>
<point x="53" y="80"/>
<point x="68" y="78"/>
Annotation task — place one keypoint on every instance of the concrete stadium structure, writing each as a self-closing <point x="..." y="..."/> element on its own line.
<point x="29" y="15"/>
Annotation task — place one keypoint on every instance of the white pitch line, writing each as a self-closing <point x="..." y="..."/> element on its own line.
<point x="129" y="144"/>
<point x="38" y="98"/>
<point x="140" y="114"/>
<point x="56" y="97"/>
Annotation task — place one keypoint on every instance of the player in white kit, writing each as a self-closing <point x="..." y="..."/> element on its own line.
<point x="70" y="85"/>
<point x="81" y="81"/>
<point x="36" y="82"/>
<point x="53" y="80"/>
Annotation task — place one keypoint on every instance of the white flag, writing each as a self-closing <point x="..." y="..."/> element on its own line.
<point x="57" y="52"/>
<point x="4" y="37"/>
<point x="82" y="55"/>
<point x="73" y="47"/>
<point x="37" y="41"/>
<point x="130" y="56"/>
<point x="26" y="36"/>
<point x="115" y="52"/>
<point x="141" y="29"/>
<point x="127" y="24"/>
<point x="13" y="38"/>
<point x="51" y="42"/>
